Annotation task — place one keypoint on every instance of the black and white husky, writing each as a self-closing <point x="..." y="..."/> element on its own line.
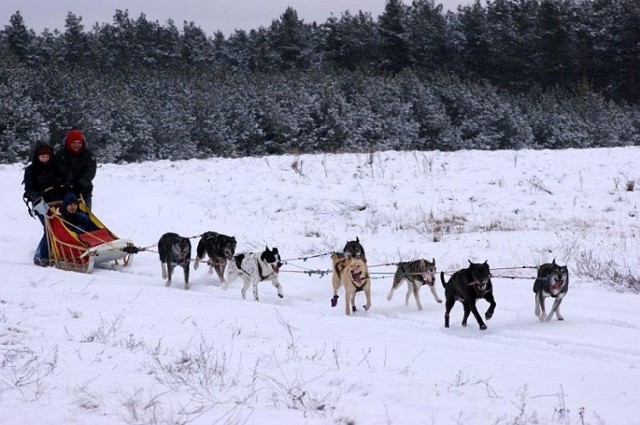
<point x="253" y="268"/>
<point x="552" y="281"/>
<point x="174" y="250"/>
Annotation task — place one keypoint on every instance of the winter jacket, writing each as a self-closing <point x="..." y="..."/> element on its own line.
<point x="45" y="180"/>
<point x="82" y="167"/>
<point x="79" y="221"/>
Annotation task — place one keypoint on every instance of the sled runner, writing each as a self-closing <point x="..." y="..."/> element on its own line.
<point x="70" y="248"/>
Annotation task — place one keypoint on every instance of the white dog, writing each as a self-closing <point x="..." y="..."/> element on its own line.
<point x="253" y="268"/>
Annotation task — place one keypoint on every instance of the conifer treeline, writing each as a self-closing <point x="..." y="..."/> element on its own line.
<point x="507" y="75"/>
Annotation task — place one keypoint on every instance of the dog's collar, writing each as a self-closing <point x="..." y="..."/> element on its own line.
<point x="480" y="288"/>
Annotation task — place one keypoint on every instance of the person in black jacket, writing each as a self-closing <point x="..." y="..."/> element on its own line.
<point x="76" y="220"/>
<point x="78" y="158"/>
<point x="45" y="180"/>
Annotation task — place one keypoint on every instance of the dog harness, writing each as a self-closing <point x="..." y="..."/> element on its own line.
<point x="340" y="265"/>
<point x="363" y="283"/>
<point x="260" y="272"/>
<point x="480" y="288"/>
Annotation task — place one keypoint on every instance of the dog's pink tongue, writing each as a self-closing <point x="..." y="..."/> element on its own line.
<point x="356" y="277"/>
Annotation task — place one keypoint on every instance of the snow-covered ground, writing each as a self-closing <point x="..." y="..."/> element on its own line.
<point x="117" y="346"/>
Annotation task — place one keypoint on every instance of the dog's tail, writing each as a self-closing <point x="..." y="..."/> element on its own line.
<point x="199" y="253"/>
<point x="444" y="283"/>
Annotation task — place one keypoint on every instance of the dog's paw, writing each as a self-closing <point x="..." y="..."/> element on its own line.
<point x="542" y="317"/>
<point x="280" y="296"/>
<point x="353" y="308"/>
<point x="186" y="286"/>
<point x="167" y="283"/>
<point x="390" y="296"/>
<point x="366" y="307"/>
<point x="483" y="327"/>
<point x="334" y="301"/>
<point x="488" y="316"/>
<point x="439" y="301"/>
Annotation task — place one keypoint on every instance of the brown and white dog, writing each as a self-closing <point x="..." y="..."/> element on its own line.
<point x="353" y="274"/>
<point x="417" y="273"/>
<point x="352" y="249"/>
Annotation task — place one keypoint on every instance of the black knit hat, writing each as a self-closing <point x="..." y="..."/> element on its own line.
<point x="44" y="150"/>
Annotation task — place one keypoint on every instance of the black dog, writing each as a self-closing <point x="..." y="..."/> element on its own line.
<point x="552" y="281"/>
<point x="467" y="286"/>
<point x="174" y="250"/>
<point x="220" y="249"/>
<point x="353" y="249"/>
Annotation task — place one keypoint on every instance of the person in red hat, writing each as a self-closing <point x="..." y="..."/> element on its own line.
<point x="78" y="158"/>
<point x="45" y="180"/>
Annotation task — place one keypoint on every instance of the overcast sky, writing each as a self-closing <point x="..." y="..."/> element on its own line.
<point x="210" y="15"/>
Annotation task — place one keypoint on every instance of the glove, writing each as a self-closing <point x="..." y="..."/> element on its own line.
<point x="41" y="206"/>
<point x="30" y="197"/>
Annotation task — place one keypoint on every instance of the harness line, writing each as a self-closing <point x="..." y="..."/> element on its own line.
<point x="306" y="258"/>
<point x="321" y="273"/>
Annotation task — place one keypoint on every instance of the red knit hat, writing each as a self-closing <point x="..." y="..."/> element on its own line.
<point x="72" y="136"/>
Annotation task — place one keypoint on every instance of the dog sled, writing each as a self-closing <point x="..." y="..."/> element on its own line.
<point x="72" y="249"/>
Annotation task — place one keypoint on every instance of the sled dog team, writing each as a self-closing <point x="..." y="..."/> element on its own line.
<point x="350" y="271"/>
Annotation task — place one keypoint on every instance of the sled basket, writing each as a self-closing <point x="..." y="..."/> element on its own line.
<point x="72" y="249"/>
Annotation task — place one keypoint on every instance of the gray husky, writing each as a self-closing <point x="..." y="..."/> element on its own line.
<point x="417" y="273"/>
<point x="174" y="250"/>
<point x="552" y="281"/>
